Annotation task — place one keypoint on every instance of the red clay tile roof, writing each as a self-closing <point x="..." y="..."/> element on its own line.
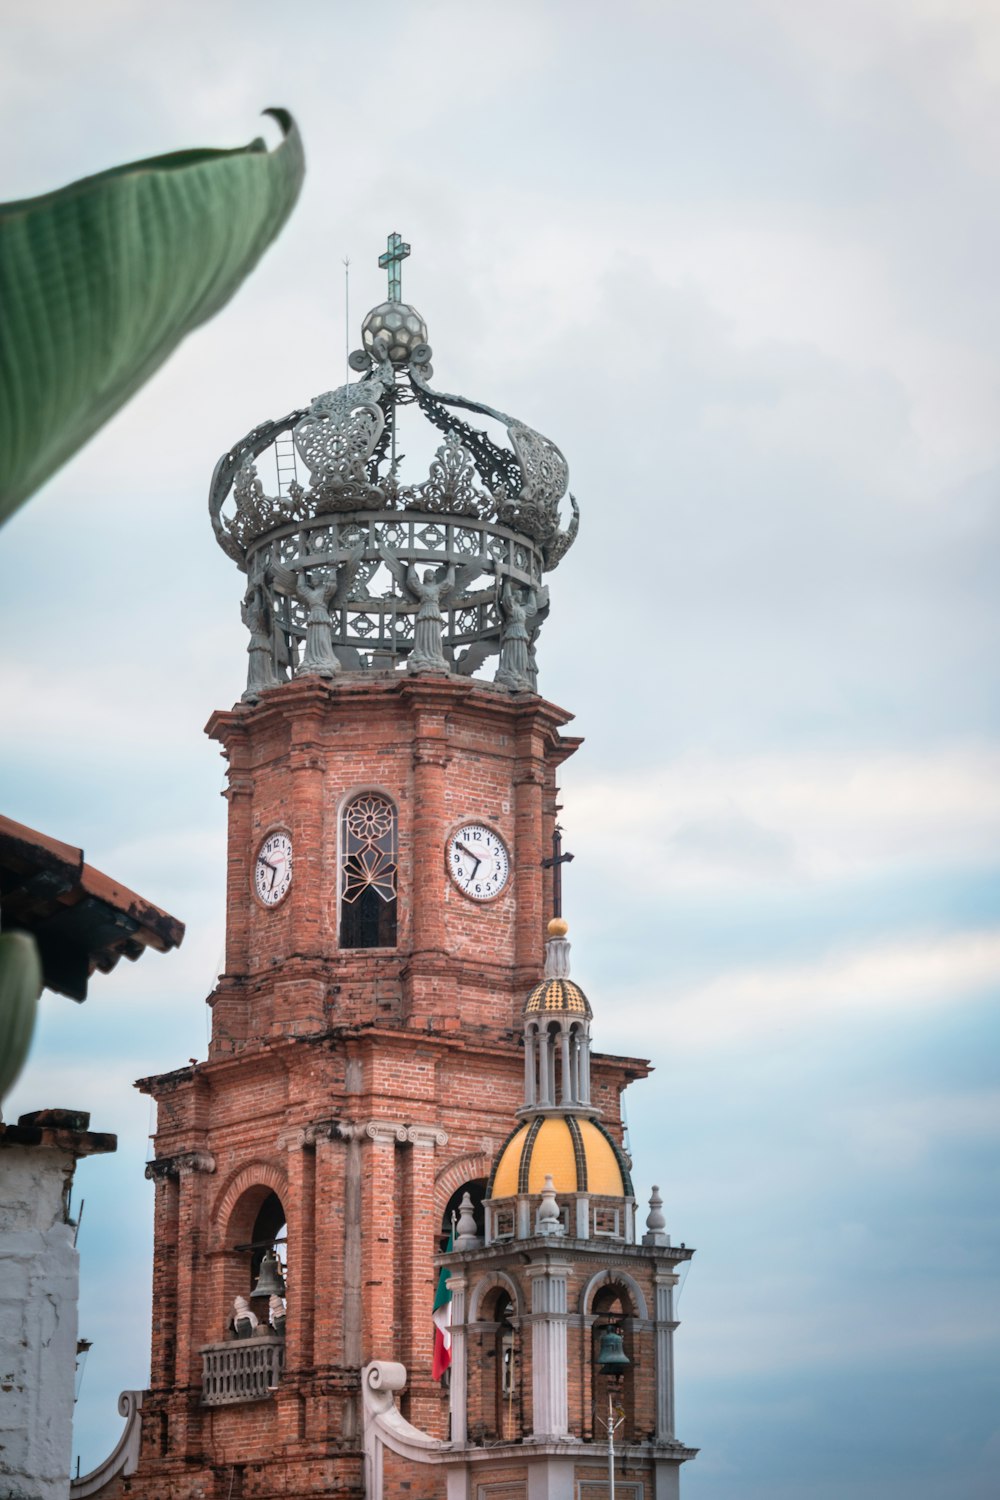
<point x="81" y="919"/>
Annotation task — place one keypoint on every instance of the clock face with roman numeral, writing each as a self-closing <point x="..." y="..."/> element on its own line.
<point x="272" y="874"/>
<point x="478" y="861"/>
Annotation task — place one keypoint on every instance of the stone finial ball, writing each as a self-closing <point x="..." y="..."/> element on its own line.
<point x="401" y="326"/>
<point x="558" y="927"/>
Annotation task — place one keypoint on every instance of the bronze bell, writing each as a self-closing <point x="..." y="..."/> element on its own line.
<point x="611" y="1357"/>
<point x="269" y="1282"/>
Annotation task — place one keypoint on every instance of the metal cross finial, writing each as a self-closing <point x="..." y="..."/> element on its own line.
<point x="392" y="261"/>
<point x="555" y="864"/>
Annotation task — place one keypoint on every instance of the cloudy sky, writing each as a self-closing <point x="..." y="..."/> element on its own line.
<point x="739" y="259"/>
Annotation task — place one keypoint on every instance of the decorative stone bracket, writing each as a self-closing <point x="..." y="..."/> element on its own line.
<point x="125" y="1457"/>
<point x="414" y="1135"/>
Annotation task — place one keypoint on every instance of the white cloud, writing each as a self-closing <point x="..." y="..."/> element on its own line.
<point x="704" y="821"/>
<point x="945" y="52"/>
<point x="788" y="1325"/>
<point x="896" y="1134"/>
<point x="768" y="1000"/>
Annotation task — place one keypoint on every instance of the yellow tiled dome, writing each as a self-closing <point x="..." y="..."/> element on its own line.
<point x="558" y="997"/>
<point x="579" y="1156"/>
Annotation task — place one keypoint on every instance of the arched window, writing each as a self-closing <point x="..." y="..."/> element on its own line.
<point x="368" y="873"/>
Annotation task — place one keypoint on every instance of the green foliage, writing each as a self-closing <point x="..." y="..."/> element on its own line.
<point x="20" y="987"/>
<point x="101" y="280"/>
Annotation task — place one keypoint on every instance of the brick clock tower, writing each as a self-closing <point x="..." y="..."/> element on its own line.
<point x="399" y="1097"/>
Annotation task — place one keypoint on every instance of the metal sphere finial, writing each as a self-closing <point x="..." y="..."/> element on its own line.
<point x="399" y="326"/>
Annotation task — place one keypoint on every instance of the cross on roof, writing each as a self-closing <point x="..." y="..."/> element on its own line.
<point x="392" y="261"/>
<point x="555" y="864"/>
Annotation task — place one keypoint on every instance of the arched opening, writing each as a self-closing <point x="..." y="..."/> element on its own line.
<point x="268" y="1233"/>
<point x="557" y="1038"/>
<point x="507" y="1358"/>
<point x="368" y="872"/>
<point x="476" y="1189"/>
<point x="575" y="1035"/>
<point x="257" y="1225"/>
<point x="494" y="1371"/>
<point x="552" y="1061"/>
<point x="612" y="1310"/>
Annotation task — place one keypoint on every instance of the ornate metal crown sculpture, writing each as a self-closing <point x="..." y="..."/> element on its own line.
<point x="332" y="565"/>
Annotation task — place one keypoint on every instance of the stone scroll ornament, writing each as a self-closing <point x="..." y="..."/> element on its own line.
<point x="437" y="589"/>
<point x="322" y="598"/>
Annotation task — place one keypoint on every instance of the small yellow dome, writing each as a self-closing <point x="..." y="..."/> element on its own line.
<point x="578" y="1154"/>
<point x="558" y="997"/>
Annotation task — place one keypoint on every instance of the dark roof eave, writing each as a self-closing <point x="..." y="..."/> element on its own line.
<point x="82" y="919"/>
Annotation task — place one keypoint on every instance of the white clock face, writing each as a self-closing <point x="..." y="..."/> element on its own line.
<point x="273" y="871"/>
<point x="478" y="861"/>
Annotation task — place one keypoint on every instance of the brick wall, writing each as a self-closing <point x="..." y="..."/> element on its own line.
<point x="363" y="1087"/>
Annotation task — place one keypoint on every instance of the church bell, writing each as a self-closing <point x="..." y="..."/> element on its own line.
<point x="269" y="1282"/>
<point x="611" y="1357"/>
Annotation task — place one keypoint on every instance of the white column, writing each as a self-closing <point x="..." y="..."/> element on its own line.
<point x="529" y="1067"/>
<point x="458" y="1396"/>
<point x="667" y="1481"/>
<point x="664" y="1355"/>
<point x="550" y="1402"/>
<point x="585" y="1069"/>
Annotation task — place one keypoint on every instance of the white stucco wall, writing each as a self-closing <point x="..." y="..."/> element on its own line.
<point x="39" y="1280"/>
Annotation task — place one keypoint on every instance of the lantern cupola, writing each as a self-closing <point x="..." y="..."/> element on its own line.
<point x="560" y="1147"/>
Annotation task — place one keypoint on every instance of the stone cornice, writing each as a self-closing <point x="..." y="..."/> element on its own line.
<point x="604" y="1252"/>
<point x="184" y="1163"/>
<point x="505" y="1052"/>
<point x="446" y="694"/>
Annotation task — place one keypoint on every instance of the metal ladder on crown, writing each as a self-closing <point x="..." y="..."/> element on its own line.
<point x="285" y="461"/>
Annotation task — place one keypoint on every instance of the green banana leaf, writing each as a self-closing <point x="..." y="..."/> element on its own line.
<point x="20" y="987"/>
<point x="101" y="280"/>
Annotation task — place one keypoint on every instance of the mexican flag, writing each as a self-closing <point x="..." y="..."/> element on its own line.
<point x="441" y="1317"/>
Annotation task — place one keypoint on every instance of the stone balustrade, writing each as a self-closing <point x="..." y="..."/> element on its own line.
<point x="241" y="1370"/>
